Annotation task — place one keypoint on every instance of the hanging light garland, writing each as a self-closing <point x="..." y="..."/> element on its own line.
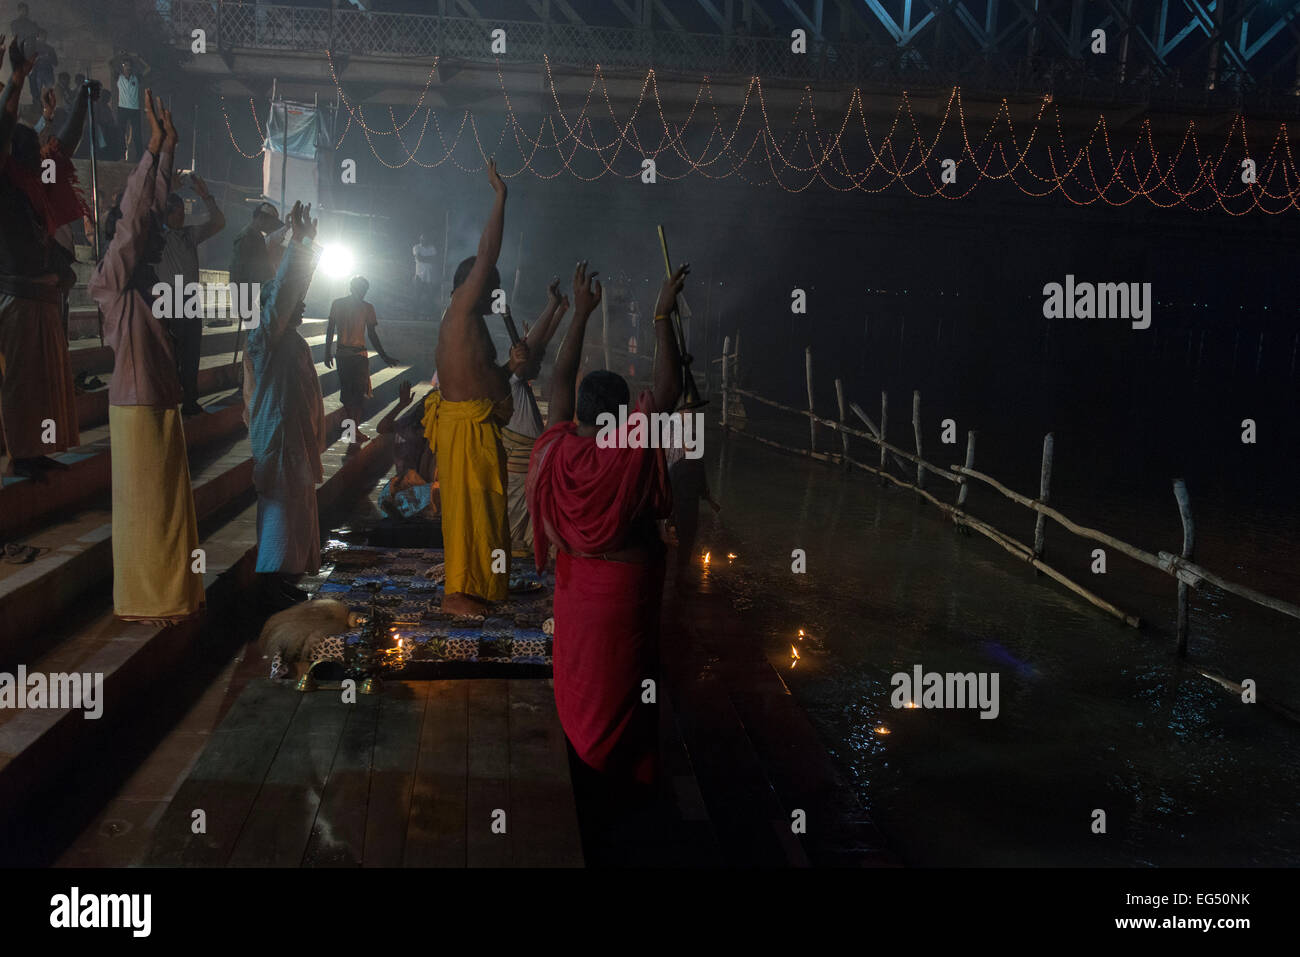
<point x="796" y="159"/>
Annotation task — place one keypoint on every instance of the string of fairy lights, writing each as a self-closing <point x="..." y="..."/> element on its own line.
<point x="805" y="153"/>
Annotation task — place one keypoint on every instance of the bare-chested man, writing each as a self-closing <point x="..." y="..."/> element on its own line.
<point x="463" y="422"/>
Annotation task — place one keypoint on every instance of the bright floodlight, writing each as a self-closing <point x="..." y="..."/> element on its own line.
<point x="336" y="261"/>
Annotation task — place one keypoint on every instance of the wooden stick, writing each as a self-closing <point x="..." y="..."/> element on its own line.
<point x="884" y="417"/>
<point x="970" y="464"/>
<point x="604" y="327"/>
<point x="726" y="382"/>
<point x="1189" y="537"/>
<point x="916" y="431"/>
<point x="1044" y="486"/>
<point x="898" y="453"/>
<point x="876" y="433"/>
<point x="839" y="398"/>
<point x="812" y="416"/>
<point x="1016" y="548"/>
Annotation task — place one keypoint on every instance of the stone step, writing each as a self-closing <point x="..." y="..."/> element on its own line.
<point x="35" y="595"/>
<point x="38" y="746"/>
<point x="89" y="356"/>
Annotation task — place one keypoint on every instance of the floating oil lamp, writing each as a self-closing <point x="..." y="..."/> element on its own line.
<point x="794" y="656"/>
<point x="882" y="730"/>
<point x="731" y="556"/>
<point x="707" y="555"/>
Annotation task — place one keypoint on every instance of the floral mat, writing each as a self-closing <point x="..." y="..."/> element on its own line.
<point x="407" y="584"/>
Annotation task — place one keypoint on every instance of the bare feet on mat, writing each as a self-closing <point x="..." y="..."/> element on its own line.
<point x="461" y="604"/>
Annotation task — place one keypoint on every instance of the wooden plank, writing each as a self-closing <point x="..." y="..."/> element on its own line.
<point x="543" y="816"/>
<point x="489" y="773"/>
<point x="338" y="835"/>
<point x="226" y="779"/>
<point x="397" y="750"/>
<point x="435" y="833"/>
<point x="280" y="823"/>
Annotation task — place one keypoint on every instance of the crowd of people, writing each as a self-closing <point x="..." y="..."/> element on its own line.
<point x="474" y="449"/>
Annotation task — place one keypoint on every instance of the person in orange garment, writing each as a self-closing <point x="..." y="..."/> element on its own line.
<point x="599" y="504"/>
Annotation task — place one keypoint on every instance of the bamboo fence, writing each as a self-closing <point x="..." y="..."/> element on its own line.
<point x="1188" y="574"/>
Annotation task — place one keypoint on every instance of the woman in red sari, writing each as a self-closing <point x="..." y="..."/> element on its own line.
<point x="598" y="504"/>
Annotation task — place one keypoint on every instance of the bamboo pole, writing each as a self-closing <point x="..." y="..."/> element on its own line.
<point x="839" y="399"/>
<point x="726" y="382"/>
<point x="916" y="431"/>
<point x="1044" y="490"/>
<point x="884" y="418"/>
<point x="831" y="424"/>
<point x="876" y="434"/>
<point x="1189" y="538"/>
<point x="970" y="464"/>
<point x="812" y="416"/>
<point x="604" y="322"/>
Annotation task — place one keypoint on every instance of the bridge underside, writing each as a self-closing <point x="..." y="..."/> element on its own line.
<point x="1202" y="56"/>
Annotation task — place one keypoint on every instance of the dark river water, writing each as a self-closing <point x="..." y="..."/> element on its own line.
<point x="1094" y="715"/>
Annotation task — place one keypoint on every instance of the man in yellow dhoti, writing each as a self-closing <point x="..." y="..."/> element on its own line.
<point x="463" y="423"/>
<point x="155" y="531"/>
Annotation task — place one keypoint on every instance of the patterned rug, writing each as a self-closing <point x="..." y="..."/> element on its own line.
<point x="408" y="582"/>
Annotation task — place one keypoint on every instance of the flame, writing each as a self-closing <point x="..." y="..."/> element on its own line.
<point x="731" y="556"/>
<point x="911" y="704"/>
<point x="882" y="730"/>
<point x="706" y="557"/>
<point x="801" y="634"/>
<point x="794" y="651"/>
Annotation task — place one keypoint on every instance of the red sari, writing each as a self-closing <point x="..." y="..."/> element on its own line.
<point x="590" y="500"/>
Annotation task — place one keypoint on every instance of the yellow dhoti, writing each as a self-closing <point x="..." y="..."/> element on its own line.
<point x="472" y="478"/>
<point x="154" y="527"/>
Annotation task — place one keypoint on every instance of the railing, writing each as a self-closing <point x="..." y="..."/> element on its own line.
<point x="844" y="64"/>
<point x="1180" y="566"/>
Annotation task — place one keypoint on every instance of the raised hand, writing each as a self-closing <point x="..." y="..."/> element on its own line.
<point x="498" y="184"/>
<point x="668" y="291"/>
<point x="553" y="293"/>
<point x="519" y="354"/>
<point x="304" y="227"/>
<point x="49" y="100"/>
<point x="170" y="136"/>
<point x="200" y="187"/>
<point x="586" y="291"/>
<point x="151" y="111"/>
<point x="22" y="64"/>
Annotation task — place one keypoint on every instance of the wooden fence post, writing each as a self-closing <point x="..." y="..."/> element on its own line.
<point x="844" y="436"/>
<point x="970" y="464"/>
<point x="1189" y="540"/>
<point x="916" y="431"/>
<point x="812" y="423"/>
<point x="884" y="418"/>
<point x="726" y="382"/>
<point x="1044" y="488"/>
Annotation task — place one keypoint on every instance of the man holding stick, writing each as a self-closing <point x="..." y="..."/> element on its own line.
<point x="599" y="506"/>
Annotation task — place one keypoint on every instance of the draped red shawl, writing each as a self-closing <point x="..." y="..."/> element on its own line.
<point x="57" y="203"/>
<point x="591" y="496"/>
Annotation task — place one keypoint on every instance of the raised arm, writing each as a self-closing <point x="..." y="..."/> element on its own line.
<point x="216" y="218"/>
<point x="489" y="248"/>
<point x="668" y="359"/>
<point x="289" y="287"/>
<point x="132" y="232"/>
<point x="544" y="328"/>
<point x="389" y="422"/>
<point x="564" y="383"/>
<point x="13" y="92"/>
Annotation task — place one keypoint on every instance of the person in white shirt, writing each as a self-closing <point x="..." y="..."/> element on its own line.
<point x="128" y="108"/>
<point x="424" y="255"/>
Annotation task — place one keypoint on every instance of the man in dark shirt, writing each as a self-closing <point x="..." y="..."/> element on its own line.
<point x="254" y="260"/>
<point x="180" y="264"/>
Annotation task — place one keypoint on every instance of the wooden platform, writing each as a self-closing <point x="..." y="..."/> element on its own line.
<point x="414" y="776"/>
